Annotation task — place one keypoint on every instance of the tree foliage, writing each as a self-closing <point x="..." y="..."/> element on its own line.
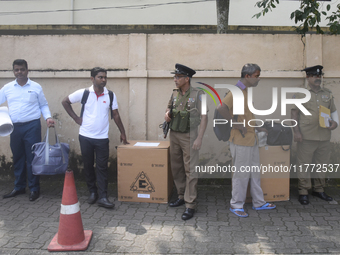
<point x="308" y="16"/>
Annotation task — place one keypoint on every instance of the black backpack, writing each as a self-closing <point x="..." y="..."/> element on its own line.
<point x="278" y="134"/>
<point x="222" y="131"/>
<point x="84" y="100"/>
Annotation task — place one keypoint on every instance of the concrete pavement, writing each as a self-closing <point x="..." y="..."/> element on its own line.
<point x="139" y="228"/>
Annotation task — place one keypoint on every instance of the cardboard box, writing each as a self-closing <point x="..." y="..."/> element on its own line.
<point x="144" y="173"/>
<point x="275" y="182"/>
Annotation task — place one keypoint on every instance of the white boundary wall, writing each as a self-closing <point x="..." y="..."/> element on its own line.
<point x="140" y="76"/>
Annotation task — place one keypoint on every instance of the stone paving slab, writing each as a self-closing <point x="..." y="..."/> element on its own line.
<point x="143" y="228"/>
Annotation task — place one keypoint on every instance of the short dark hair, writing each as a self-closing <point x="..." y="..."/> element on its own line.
<point x="97" y="70"/>
<point x="249" y="69"/>
<point x="20" y="62"/>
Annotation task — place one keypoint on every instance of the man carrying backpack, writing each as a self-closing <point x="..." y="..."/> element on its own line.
<point x="244" y="147"/>
<point x="97" y="102"/>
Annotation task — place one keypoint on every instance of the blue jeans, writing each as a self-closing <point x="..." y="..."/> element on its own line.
<point x="23" y="137"/>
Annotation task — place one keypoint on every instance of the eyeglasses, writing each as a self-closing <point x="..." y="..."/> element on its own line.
<point x="179" y="77"/>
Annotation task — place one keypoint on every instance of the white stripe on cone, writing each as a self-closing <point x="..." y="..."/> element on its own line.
<point x="70" y="209"/>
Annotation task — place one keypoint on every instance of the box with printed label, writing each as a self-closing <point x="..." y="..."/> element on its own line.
<point x="144" y="173"/>
<point x="275" y="174"/>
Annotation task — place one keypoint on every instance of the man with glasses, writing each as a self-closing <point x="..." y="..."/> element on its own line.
<point x="185" y="137"/>
<point x="313" y="141"/>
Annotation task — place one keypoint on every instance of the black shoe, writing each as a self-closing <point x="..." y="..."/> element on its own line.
<point x="176" y="203"/>
<point x="34" y="195"/>
<point x="188" y="214"/>
<point x="13" y="193"/>
<point x="322" y="195"/>
<point x="92" y="198"/>
<point x="104" y="202"/>
<point x="303" y="199"/>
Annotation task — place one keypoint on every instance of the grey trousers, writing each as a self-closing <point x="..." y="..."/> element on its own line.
<point x="244" y="157"/>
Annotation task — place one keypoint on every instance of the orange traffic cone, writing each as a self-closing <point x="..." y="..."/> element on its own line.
<point x="71" y="235"/>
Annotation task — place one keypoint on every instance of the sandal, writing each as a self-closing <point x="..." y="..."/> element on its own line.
<point x="264" y="207"/>
<point x="234" y="211"/>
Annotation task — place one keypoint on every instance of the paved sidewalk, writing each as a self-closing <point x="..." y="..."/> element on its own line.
<point x="138" y="228"/>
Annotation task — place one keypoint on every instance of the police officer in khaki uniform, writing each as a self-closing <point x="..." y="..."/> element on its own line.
<point x="185" y="137"/>
<point x="313" y="141"/>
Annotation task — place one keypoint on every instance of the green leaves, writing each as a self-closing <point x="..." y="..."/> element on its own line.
<point x="266" y="5"/>
<point x="334" y="25"/>
<point x="309" y="15"/>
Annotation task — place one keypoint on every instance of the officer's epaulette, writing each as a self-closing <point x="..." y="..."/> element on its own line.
<point x="328" y="90"/>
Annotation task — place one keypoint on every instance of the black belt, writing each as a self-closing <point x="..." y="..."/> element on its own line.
<point x="24" y="123"/>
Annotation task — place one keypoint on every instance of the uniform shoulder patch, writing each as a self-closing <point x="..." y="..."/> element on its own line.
<point x="328" y="90"/>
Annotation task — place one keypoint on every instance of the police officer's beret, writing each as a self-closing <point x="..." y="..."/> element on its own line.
<point x="313" y="70"/>
<point x="182" y="69"/>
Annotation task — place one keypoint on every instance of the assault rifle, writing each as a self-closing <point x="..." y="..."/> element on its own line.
<point x="166" y="125"/>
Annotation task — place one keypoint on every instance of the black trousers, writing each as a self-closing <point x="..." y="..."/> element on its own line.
<point x="95" y="150"/>
<point x="23" y="137"/>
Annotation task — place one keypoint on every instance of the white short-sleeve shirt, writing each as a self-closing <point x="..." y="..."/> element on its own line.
<point x="96" y="113"/>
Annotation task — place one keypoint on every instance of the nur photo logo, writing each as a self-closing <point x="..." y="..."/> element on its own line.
<point x="239" y="103"/>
